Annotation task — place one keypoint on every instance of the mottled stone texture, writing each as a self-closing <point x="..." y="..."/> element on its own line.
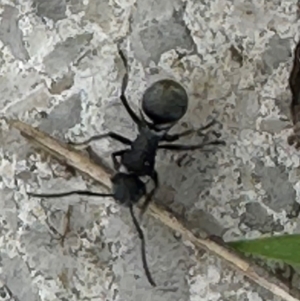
<point x="55" y="9"/>
<point x="10" y="33"/>
<point x="60" y="70"/>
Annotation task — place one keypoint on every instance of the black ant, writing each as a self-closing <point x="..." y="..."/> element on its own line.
<point x="165" y="102"/>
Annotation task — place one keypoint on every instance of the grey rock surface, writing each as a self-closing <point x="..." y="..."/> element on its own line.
<point x="60" y="70"/>
<point x="55" y="10"/>
<point x="10" y="33"/>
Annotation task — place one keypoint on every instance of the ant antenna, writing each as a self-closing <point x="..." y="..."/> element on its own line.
<point x="143" y="247"/>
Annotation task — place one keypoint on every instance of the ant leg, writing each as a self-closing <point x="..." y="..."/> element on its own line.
<point x="79" y="192"/>
<point x="181" y="147"/>
<point x="143" y="246"/>
<point x="174" y="137"/>
<point x="123" y="98"/>
<point x="112" y="135"/>
<point x="117" y="154"/>
<point x="150" y="195"/>
<point x="125" y="103"/>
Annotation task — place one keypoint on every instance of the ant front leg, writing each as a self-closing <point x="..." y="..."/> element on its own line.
<point x="182" y="147"/>
<point x="174" y="137"/>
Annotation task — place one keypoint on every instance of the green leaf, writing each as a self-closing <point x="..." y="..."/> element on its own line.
<point x="284" y="248"/>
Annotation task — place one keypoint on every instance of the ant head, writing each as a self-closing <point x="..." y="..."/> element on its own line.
<point x="127" y="188"/>
<point x="165" y="102"/>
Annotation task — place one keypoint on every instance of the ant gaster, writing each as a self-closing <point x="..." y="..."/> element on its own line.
<point x="165" y="102"/>
<point x="294" y="85"/>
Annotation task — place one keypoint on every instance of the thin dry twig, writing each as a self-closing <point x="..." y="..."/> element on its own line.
<point x="83" y="164"/>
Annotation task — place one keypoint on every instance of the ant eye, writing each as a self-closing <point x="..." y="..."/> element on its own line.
<point x="147" y="163"/>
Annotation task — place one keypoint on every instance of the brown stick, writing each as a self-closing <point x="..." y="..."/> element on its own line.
<point x="64" y="153"/>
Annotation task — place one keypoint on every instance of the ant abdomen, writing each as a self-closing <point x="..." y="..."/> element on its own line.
<point x="127" y="188"/>
<point x="165" y="101"/>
